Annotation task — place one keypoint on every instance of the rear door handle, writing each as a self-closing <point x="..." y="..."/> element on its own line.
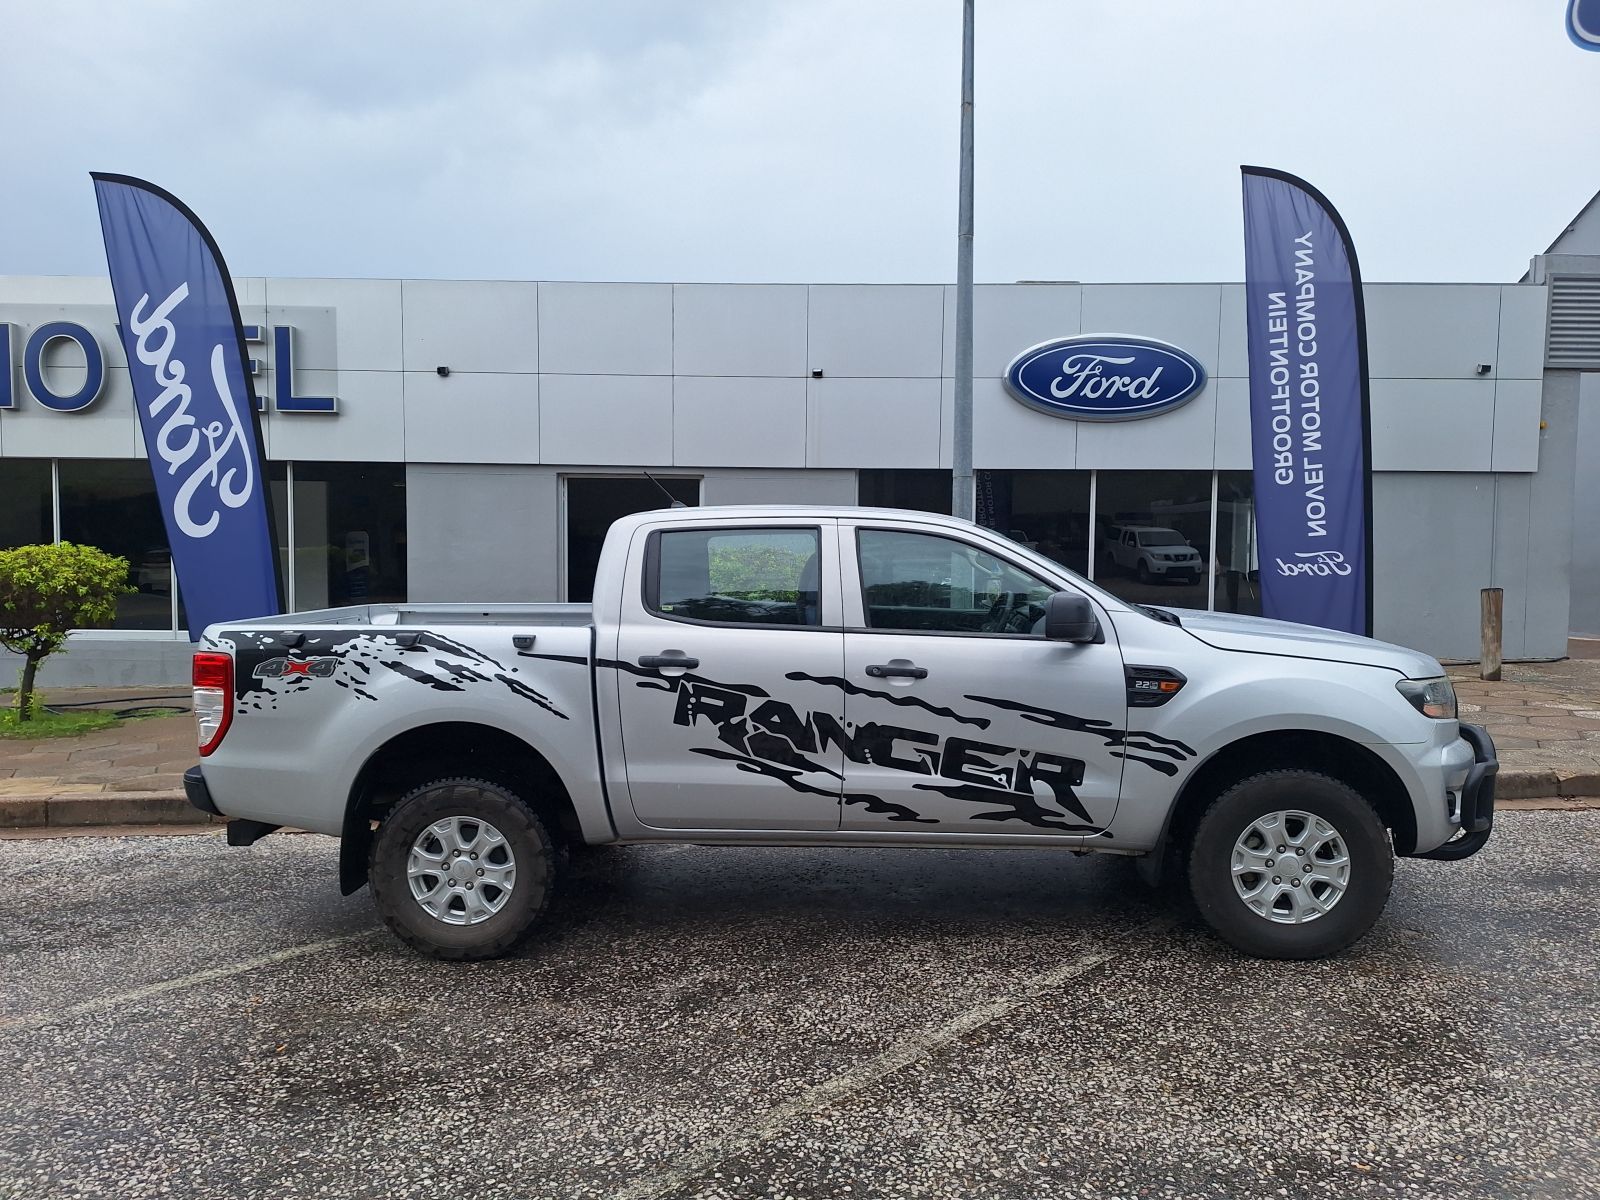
<point x="896" y="671"/>
<point x="674" y="659"/>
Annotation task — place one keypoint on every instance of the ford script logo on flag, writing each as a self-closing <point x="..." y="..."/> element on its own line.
<point x="1104" y="377"/>
<point x="180" y="328"/>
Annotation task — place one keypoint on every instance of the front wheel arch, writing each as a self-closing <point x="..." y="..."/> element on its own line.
<point x="1328" y="753"/>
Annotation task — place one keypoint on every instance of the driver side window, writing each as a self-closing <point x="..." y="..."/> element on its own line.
<point x="922" y="582"/>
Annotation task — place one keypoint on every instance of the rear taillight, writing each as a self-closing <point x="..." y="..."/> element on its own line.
<point x="213" y="698"/>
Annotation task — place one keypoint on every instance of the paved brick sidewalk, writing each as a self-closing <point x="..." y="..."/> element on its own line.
<point x="1545" y="719"/>
<point x="131" y="773"/>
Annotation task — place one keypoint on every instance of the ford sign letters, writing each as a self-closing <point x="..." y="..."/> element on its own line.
<point x="1104" y="377"/>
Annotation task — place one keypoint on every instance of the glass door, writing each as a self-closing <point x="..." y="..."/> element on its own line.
<point x="593" y="502"/>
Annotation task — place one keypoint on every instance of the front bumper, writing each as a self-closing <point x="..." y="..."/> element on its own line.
<point x="1477" y="799"/>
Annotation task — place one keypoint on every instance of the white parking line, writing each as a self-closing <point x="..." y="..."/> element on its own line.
<point x="37" y="1020"/>
<point x="689" y="1166"/>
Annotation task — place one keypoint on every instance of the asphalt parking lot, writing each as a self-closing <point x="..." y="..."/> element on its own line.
<point x="182" y="1019"/>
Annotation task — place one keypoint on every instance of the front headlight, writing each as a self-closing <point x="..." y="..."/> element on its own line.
<point x="1431" y="697"/>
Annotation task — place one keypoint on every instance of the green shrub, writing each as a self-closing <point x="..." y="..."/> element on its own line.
<point x="47" y="591"/>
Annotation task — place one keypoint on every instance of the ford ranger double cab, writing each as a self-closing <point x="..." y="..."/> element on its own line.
<point x="836" y="677"/>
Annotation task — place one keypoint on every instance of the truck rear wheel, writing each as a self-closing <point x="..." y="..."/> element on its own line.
<point x="462" y="868"/>
<point x="1291" y="864"/>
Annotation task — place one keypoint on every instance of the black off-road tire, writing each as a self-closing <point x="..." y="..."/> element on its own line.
<point x="1143" y="572"/>
<point x="1365" y="838"/>
<point x="526" y="837"/>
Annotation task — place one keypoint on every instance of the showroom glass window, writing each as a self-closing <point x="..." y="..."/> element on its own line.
<point x="349" y="529"/>
<point x="112" y="504"/>
<point x="349" y="534"/>
<point x="1153" y="536"/>
<point x="1047" y="511"/>
<point x="25" y="518"/>
<point x="278" y="490"/>
<point x="595" y="503"/>
<point x="922" y="491"/>
<point x="1238" y="568"/>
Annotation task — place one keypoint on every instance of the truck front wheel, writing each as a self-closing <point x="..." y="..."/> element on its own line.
<point x="1291" y="864"/>
<point x="462" y="868"/>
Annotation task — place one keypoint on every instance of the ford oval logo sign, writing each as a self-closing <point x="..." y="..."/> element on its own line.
<point x="1104" y="377"/>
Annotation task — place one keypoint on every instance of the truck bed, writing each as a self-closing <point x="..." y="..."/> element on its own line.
<point x="409" y="615"/>
<point x="343" y="685"/>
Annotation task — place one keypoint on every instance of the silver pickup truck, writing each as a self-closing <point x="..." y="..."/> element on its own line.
<point x="837" y="677"/>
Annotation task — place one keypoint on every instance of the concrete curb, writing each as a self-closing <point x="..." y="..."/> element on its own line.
<point x="75" y="809"/>
<point x="1528" y="785"/>
<point x="78" y="809"/>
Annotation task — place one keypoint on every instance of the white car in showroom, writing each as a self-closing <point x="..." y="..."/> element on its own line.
<point x="1152" y="552"/>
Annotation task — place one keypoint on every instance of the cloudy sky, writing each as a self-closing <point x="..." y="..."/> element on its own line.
<point x="797" y="140"/>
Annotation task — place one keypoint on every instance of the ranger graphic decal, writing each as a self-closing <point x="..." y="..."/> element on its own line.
<point x="1133" y="739"/>
<point x="765" y="736"/>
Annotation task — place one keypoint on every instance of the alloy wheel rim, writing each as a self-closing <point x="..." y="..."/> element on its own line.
<point x="1290" y="867"/>
<point x="461" y="870"/>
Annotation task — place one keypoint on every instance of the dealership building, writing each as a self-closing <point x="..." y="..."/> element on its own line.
<point x="471" y="440"/>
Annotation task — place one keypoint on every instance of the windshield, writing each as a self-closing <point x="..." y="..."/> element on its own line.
<point x="1161" y="537"/>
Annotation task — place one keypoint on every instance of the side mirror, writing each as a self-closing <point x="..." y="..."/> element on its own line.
<point x="1069" y="617"/>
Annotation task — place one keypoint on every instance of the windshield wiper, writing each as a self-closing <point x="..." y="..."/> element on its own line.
<point x="1160" y="614"/>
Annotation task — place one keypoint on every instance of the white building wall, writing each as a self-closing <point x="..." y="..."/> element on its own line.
<point x="1586" y="513"/>
<point x="696" y="375"/>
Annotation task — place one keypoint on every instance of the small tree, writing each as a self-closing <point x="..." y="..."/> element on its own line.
<point x="45" y="591"/>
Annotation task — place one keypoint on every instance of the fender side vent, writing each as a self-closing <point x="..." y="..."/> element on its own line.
<point x="1151" y="687"/>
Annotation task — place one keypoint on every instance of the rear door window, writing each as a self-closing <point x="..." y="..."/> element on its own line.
<point x="736" y="576"/>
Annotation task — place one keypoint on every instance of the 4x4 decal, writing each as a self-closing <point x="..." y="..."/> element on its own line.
<point x="289" y="668"/>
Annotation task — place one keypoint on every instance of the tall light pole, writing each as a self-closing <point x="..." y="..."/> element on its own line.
<point x="961" y="490"/>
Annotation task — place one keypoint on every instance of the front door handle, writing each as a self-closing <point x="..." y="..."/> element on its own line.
<point x="896" y="671"/>
<point x="672" y="658"/>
